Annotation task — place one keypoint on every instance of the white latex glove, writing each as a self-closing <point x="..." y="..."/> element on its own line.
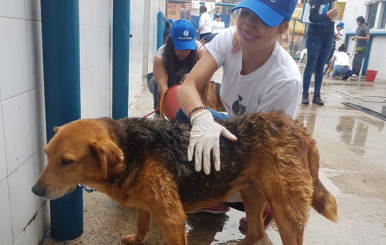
<point x="205" y="137"/>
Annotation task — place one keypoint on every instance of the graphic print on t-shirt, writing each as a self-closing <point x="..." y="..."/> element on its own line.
<point x="237" y="108"/>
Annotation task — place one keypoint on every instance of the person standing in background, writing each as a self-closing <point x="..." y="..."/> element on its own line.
<point x="204" y="27"/>
<point x="319" y="44"/>
<point x="217" y="25"/>
<point x="363" y="34"/>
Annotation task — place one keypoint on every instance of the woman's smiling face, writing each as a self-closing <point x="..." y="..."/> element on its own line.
<point x="254" y="35"/>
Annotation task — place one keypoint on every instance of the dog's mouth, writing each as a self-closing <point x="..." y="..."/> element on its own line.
<point x="52" y="194"/>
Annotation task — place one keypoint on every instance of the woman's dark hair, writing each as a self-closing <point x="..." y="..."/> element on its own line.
<point x="342" y="47"/>
<point x="203" y="9"/>
<point x="167" y="24"/>
<point x="172" y="63"/>
<point x="361" y="20"/>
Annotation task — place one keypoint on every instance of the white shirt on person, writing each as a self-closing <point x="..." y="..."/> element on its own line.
<point x="204" y="23"/>
<point x="342" y="59"/>
<point x="275" y="86"/>
<point x="217" y="26"/>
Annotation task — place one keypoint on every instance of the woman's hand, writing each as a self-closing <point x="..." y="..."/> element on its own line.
<point x="354" y="37"/>
<point x="204" y="138"/>
<point x="333" y="13"/>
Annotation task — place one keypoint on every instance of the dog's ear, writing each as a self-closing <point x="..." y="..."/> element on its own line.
<point x="109" y="154"/>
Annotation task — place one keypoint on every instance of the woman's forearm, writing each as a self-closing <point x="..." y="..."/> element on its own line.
<point x="188" y="97"/>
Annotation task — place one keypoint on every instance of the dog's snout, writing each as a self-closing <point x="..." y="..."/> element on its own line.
<point x="38" y="191"/>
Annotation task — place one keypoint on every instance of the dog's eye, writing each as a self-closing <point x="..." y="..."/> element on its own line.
<point x="66" y="162"/>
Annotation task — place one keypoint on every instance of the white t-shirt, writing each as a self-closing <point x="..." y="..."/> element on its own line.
<point x="274" y="86"/>
<point x="342" y="59"/>
<point x="204" y="23"/>
<point x="217" y="26"/>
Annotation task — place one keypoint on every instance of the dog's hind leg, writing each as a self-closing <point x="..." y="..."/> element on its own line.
<point x="254" y="203"/>
<point x="143" y="226"/>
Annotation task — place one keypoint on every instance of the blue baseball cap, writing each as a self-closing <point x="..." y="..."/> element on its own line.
<point x="271" y="12"/>
<point x="341" y="24"/>
<point x="170" y="21"/>
<point x="183" y="35"/>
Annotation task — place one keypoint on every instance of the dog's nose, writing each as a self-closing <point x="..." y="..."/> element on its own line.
<point x="38" y="191"/>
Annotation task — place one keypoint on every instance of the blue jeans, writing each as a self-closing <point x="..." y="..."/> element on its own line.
<point x="181" y="117"/>
<point x="318" y="50"/>
<point x="339" y="70"/>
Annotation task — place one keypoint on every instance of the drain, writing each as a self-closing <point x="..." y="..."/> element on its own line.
<point x="367" y="111"/>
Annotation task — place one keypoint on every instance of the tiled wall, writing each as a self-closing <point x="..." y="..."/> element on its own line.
<point x="22" y="123"/>
<point x="377" y="59"/>
<point x="24" y="218"/>
<point x="152" y="7"/>
<point x="95" y="31"/>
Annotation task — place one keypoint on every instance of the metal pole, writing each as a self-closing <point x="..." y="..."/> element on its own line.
<point x="121" y="48"/>
<point x="60" y="36"/>
<point x="293" y="34"/>
<point x="160" y="29"/>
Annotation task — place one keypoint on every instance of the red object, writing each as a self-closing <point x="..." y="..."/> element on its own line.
<point x="370" y="75"/>
<point x="168" y="104"/>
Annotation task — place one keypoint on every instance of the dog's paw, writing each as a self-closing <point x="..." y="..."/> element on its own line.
<point x="131" y="239"/>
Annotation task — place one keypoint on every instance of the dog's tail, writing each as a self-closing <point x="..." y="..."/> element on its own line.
<point x="322" y="200"/>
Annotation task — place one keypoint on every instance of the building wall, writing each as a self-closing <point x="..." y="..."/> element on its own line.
<point x="377" y="59"/>
<point x="24" y="218"/>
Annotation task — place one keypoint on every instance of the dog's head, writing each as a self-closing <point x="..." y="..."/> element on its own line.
<point x="82" y="151"/>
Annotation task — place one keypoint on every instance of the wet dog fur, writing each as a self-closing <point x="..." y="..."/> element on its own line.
<point x="143" y="163"/>
<point x="210" y="95"/>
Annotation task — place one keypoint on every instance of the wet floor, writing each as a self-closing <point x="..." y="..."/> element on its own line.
<point x="352" y="147"/>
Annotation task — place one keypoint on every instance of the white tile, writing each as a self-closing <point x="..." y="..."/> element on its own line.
<point x="38" y="119"/>
<point x="22" y="200"/>
<point x="44" y="220"/>
<point x="83" y="46"/>
<point x="105" y="13"/>
<point x="97" y="45"/>
<point x="90" y="47"/>
<point x="40" y="161"/>
<point x="5" y="214"/>
<point x="3" y="160"/>
<point x="90" y="12"/>
<point x="32" y="10"/>
<point x="92" y="85"/>
<point x="83" y="89"/>
<point x="105" y="44"/>
<point x="97" y="12"/>
<point x="30" y="235"/>
<point x="35" y="53"/>
<point x="17" y="130"/>
<point x="13" y="58"/>
<point x="105" y="77"/>
<point x="12" y="8"/>
<point x="83" y="12"/>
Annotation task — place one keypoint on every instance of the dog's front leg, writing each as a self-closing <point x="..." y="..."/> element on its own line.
<point x="143" y="225"/>
<point x="172" y="224"/>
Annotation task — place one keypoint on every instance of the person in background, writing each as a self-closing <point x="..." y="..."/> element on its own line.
<point x="168" y="27"/>
<point x="259" y="76"/>
<point x="338" y="40"/>
<point x="340" y="62"/>
<point x="217" y="24"/>
<point x="319" y="44"/>
<point x="363" y="34"/>
<point x="174" y="59"/>
<point x="204" y="27"/>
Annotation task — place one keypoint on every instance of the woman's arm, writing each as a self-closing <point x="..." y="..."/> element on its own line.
<point x="160" y="74"/>
<point x="315" y="17"/>
<point x="188" y="94"/>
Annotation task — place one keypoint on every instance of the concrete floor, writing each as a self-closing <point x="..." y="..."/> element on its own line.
<point x="353" y="168"/>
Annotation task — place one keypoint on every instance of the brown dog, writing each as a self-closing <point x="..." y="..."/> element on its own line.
<point x="210" y="95"/>
<point x="143" y="163"/>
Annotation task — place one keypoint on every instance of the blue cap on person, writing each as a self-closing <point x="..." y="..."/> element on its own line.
<point x="170" y="21"/>
<point x="183" y="35"/>
<point x="341" y="24"/>
<point x="271" y="12"/>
